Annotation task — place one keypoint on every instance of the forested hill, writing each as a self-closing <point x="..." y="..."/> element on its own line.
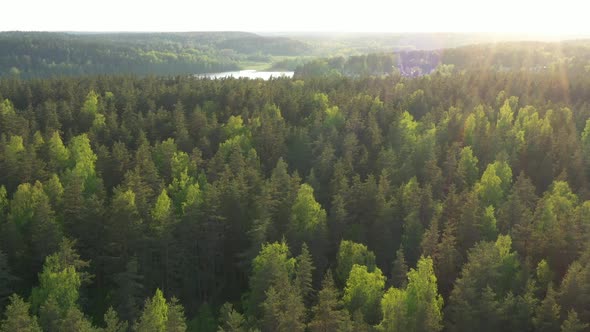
<point x="501" y="56"/>
<point x="53" y="54"/>
<point x="455" y="202"/>
<point x="44" y="54"/>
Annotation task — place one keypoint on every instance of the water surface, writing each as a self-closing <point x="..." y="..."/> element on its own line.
<point x="250" y="73"/>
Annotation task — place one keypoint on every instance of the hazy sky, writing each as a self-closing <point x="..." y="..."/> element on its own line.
<point x="542" y="16"/>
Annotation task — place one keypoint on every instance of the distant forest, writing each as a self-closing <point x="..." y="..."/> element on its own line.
<point x="52" y="54"/>
<point x="38" y="54"/>
<point x="457" y="200"/>
<point x="508" y="56"/>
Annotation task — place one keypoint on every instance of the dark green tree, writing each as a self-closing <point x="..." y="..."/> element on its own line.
<point x="329" y="314"/>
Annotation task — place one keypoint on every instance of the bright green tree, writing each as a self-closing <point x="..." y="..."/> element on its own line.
<point x="154" y="315"/>
<point x="272" y="264"/>
<point x="467" y="169"/>
<point x="162" y="211"/>
<point x="18" y="318"/>
<point x="495" y="183"/>
<point x="363" y="291"/>
<point x="307" y="215"/>
<point x="59" y="155"/>
<point x="59" y="282"/>
<point x="84" y="160"/>
<point x="418" y="307"/>
<point x="349" y="254"/>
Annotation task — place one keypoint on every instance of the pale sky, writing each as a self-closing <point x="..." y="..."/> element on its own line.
<point x="529" y="16"/>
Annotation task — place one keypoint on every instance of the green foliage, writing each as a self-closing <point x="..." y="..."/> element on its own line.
<point x="113" y="324"/>
<point x="18" y="318"/>
<point x="74" y="320"/>
<point x="304" y="273"/>
<point x="187" y="184"/>
<point x="162" y="211"/>
<point x="154" y="316"/>
<point x="495" y="183"/>
<point x="90" y="105"/>
<point x="329" y="314"/>
<point x="307" y="214"/>
<point x="24" y="202"/>
<point x="491" y="268"/>
<point x="129" y="288"/>
<point x="59" y="155"/>
<point x="418" y="307"/>
<point x="283" y="309"/>
<point x="272" y="264"/>
<point x="176" y="321"/>
<point x="83" y="159"/>
<point x="349" y="254"/>
<point x="573" y="323"/>
<point x="399" y="269"/>
<point x="467" y="169"/>
<point x="60" y="281"/>
<point x="231" y="320"/>
<point x="547" y="314"/>
<point x="363" y="292"/>
<point x="6" y="280"/>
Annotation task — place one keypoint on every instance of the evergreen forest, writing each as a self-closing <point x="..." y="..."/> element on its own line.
<point x="456" y="199"/>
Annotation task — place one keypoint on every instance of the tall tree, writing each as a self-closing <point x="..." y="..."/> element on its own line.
<point x="418" y="307"/>
<point x="154" y="315"/>
<point x="573" y="323"/>
<point x="272" y="265"/>
<point x="304" y="274"/>
<point x="308" y="218"/>
<point x="18" y="317"/>
<point x="283" y="308"/>
<point x="363" y="292"/>
<point x="329" y="313"/>
<point x="349" y="254"/>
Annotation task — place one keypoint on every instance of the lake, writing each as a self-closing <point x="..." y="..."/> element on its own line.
<point x="250" y="73"/>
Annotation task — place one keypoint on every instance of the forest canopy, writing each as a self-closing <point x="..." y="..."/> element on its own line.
<point x="455" y="200"/>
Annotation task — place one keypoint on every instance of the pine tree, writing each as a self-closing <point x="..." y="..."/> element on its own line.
<point x="6" y="279"/>
<point x="329" y="314"/>
<point x="547" y="314"/>
<point x="303" y="274"/>
<point x="74" y="321"/>
<point x="176" y="320"/>
<point x="231" y="320"/>
<point x="113" y="324"/>
<point x="399" y="269"/>
<point x="308" y="218"/>
<point x="418" y="307"/>
<point x="128" y="290"/>
<point x="18" y="318"/>
<point x="349" y="254"/>
<point x="272" y="265"/>
<point x="573" y="323"/>
<point x="284" y="310"/>
<point x="154" y="315"/>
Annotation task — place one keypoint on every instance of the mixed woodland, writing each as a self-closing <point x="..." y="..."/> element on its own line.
<point x="453" y="201"/>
